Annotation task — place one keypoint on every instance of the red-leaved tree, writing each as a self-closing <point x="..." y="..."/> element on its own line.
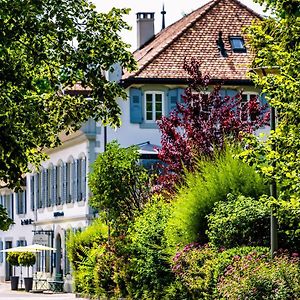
<point x="201" y="125"/>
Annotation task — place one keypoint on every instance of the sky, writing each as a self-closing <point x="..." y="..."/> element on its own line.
<point x="175" y="10"/>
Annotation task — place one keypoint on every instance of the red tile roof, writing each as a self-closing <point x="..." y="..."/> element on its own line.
<point x="195" y="36"/>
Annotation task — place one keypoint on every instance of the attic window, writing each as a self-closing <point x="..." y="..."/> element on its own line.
<point x="237" y="44"/>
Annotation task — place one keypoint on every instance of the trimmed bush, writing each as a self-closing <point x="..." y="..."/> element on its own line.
<point x="211" y="184"/>
<point x="258" y="277"/>
<point x="13" y="258"/>
<point x="240" y="221"/>
<point x="27" y="259"/>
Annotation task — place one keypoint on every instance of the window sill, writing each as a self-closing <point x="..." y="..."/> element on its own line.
<point x="149" y="126"/>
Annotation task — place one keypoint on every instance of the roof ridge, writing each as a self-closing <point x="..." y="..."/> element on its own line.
<point x="209" y="5"/>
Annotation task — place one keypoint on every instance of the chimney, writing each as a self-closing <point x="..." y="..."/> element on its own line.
<point x="145" y="27"/>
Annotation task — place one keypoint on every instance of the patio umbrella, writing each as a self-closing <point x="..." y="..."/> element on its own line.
<point x="17" y="249"/>
<point x="37" y="247"/>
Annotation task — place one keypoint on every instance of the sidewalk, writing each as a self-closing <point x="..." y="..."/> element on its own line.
<point x="6" y="293"/>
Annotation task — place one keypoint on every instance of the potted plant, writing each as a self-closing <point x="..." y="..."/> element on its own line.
<point x="13" y="259"/>
<point x="27" y="259"/>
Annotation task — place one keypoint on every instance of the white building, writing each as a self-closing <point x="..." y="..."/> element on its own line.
<point x="56" y="197"/>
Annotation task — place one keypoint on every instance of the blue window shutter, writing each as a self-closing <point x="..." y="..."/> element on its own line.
<point x="264" y="102"/>
<point x="17" y="202"/>
<point x="54" y="195"/>
<point x="222" y="93"/>
<point x="36" y="190"/>
<point x="172" y="99"/>
<point x="84" y="179"/>
<point x="64" y="190"/>
<point x="79" y="170"/>
<point x="24" y="194"/>
<point x="25" y="243"/>
<point x="12" y="205"/>
<point x="50" y="187"/>
<point x="44" y="183"/>
<point x="1" y="253"/>
<point x="231" y="93"/>
<point x="180" y="94"/>
<point x="136" y="111"/>
<point x="18" y="243"/>
<point x="32" y="192"/>
<point x="74" y="176"/>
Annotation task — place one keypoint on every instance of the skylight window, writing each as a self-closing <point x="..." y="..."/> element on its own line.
<point x="237" y="44"/>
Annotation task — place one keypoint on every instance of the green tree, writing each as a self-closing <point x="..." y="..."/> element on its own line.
<point x="45" y="48"/>
<point x="275" y="42"/>
<point x="5" y="221"/>
<point x="119" y="185"/>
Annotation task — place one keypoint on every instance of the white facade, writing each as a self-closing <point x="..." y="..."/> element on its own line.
<point x="63" y="204"/>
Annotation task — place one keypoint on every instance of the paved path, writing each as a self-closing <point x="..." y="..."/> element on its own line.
<point x="7" y="294"/>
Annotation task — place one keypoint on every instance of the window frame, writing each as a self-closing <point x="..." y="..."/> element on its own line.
<point x="153" y="93"/>
<point x="234" y="49"/>
<point x="248" y="94"/>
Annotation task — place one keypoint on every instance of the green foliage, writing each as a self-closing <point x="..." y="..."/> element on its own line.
<point x="203" y="188"/>
<point x="199" y="268"/>
<point x="80" y="242"/>
<point x="255" y="276"/>
<point x="288" y="216"/>
<point x="119" y="185"/>
<point x="5" y="220"/>
<point x="13" y="258"/>
<point x="26" y="259"/>
<point x="149" y="267"/>
<point x="275" y="42"/>
<point x="240" y="221"/>
<point x="45" y="48"/>
<point x="194" y="267"/>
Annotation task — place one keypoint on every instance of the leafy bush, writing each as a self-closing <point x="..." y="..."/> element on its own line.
<point x="246" y="221"/>
<point x="194" y="267"/>
<point x="255" y="276"/>
<point x="214" y="180"/>
<point x="13" y="258"/>
<point x="119" y="185"/>
<point x="150" y="270"/>
<point x="198" y="268"/>
<point x="26" y="259"/>
<point x="79" y="245"/>
<point x="240" y="221"/>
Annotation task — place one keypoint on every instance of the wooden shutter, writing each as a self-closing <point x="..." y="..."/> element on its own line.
<point x="74" y="182"/>
<point x="54" y="186"/>
<point x="64" y="185"/>
<point x="1" y="253"/>
<point x="83" y="180"/>
<point x="136" y="111"/>
<point x="17" y="203"/>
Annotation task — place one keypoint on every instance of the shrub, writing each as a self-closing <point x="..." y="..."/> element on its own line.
<point x="240" y="221"/>
<point x="214" y="180"/>
<point x="13" y="258"/>
<point x="150" y="270"/>
<point x="26" y="259"/>
<point x="246" y="221"/>
<point x="255" y="276"/>
<point x="198" y="268"/>
<point x="119" y="185"/>
<point x="79" y="245"/>
<point x="194" y="267"/>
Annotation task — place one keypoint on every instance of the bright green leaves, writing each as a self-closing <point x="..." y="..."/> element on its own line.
<point x="45" y="48"/>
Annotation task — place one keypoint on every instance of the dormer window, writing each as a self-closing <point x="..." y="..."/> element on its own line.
<point x="237" y="44"/>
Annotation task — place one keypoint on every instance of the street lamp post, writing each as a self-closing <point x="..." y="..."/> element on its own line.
<point x="261" y="72"/>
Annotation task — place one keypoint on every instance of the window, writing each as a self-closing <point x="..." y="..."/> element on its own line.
<point x="21" y="202"/>
<point x="237" y="44"/>
<point x="246" y="97"/>
<point x="154" y="109"/>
